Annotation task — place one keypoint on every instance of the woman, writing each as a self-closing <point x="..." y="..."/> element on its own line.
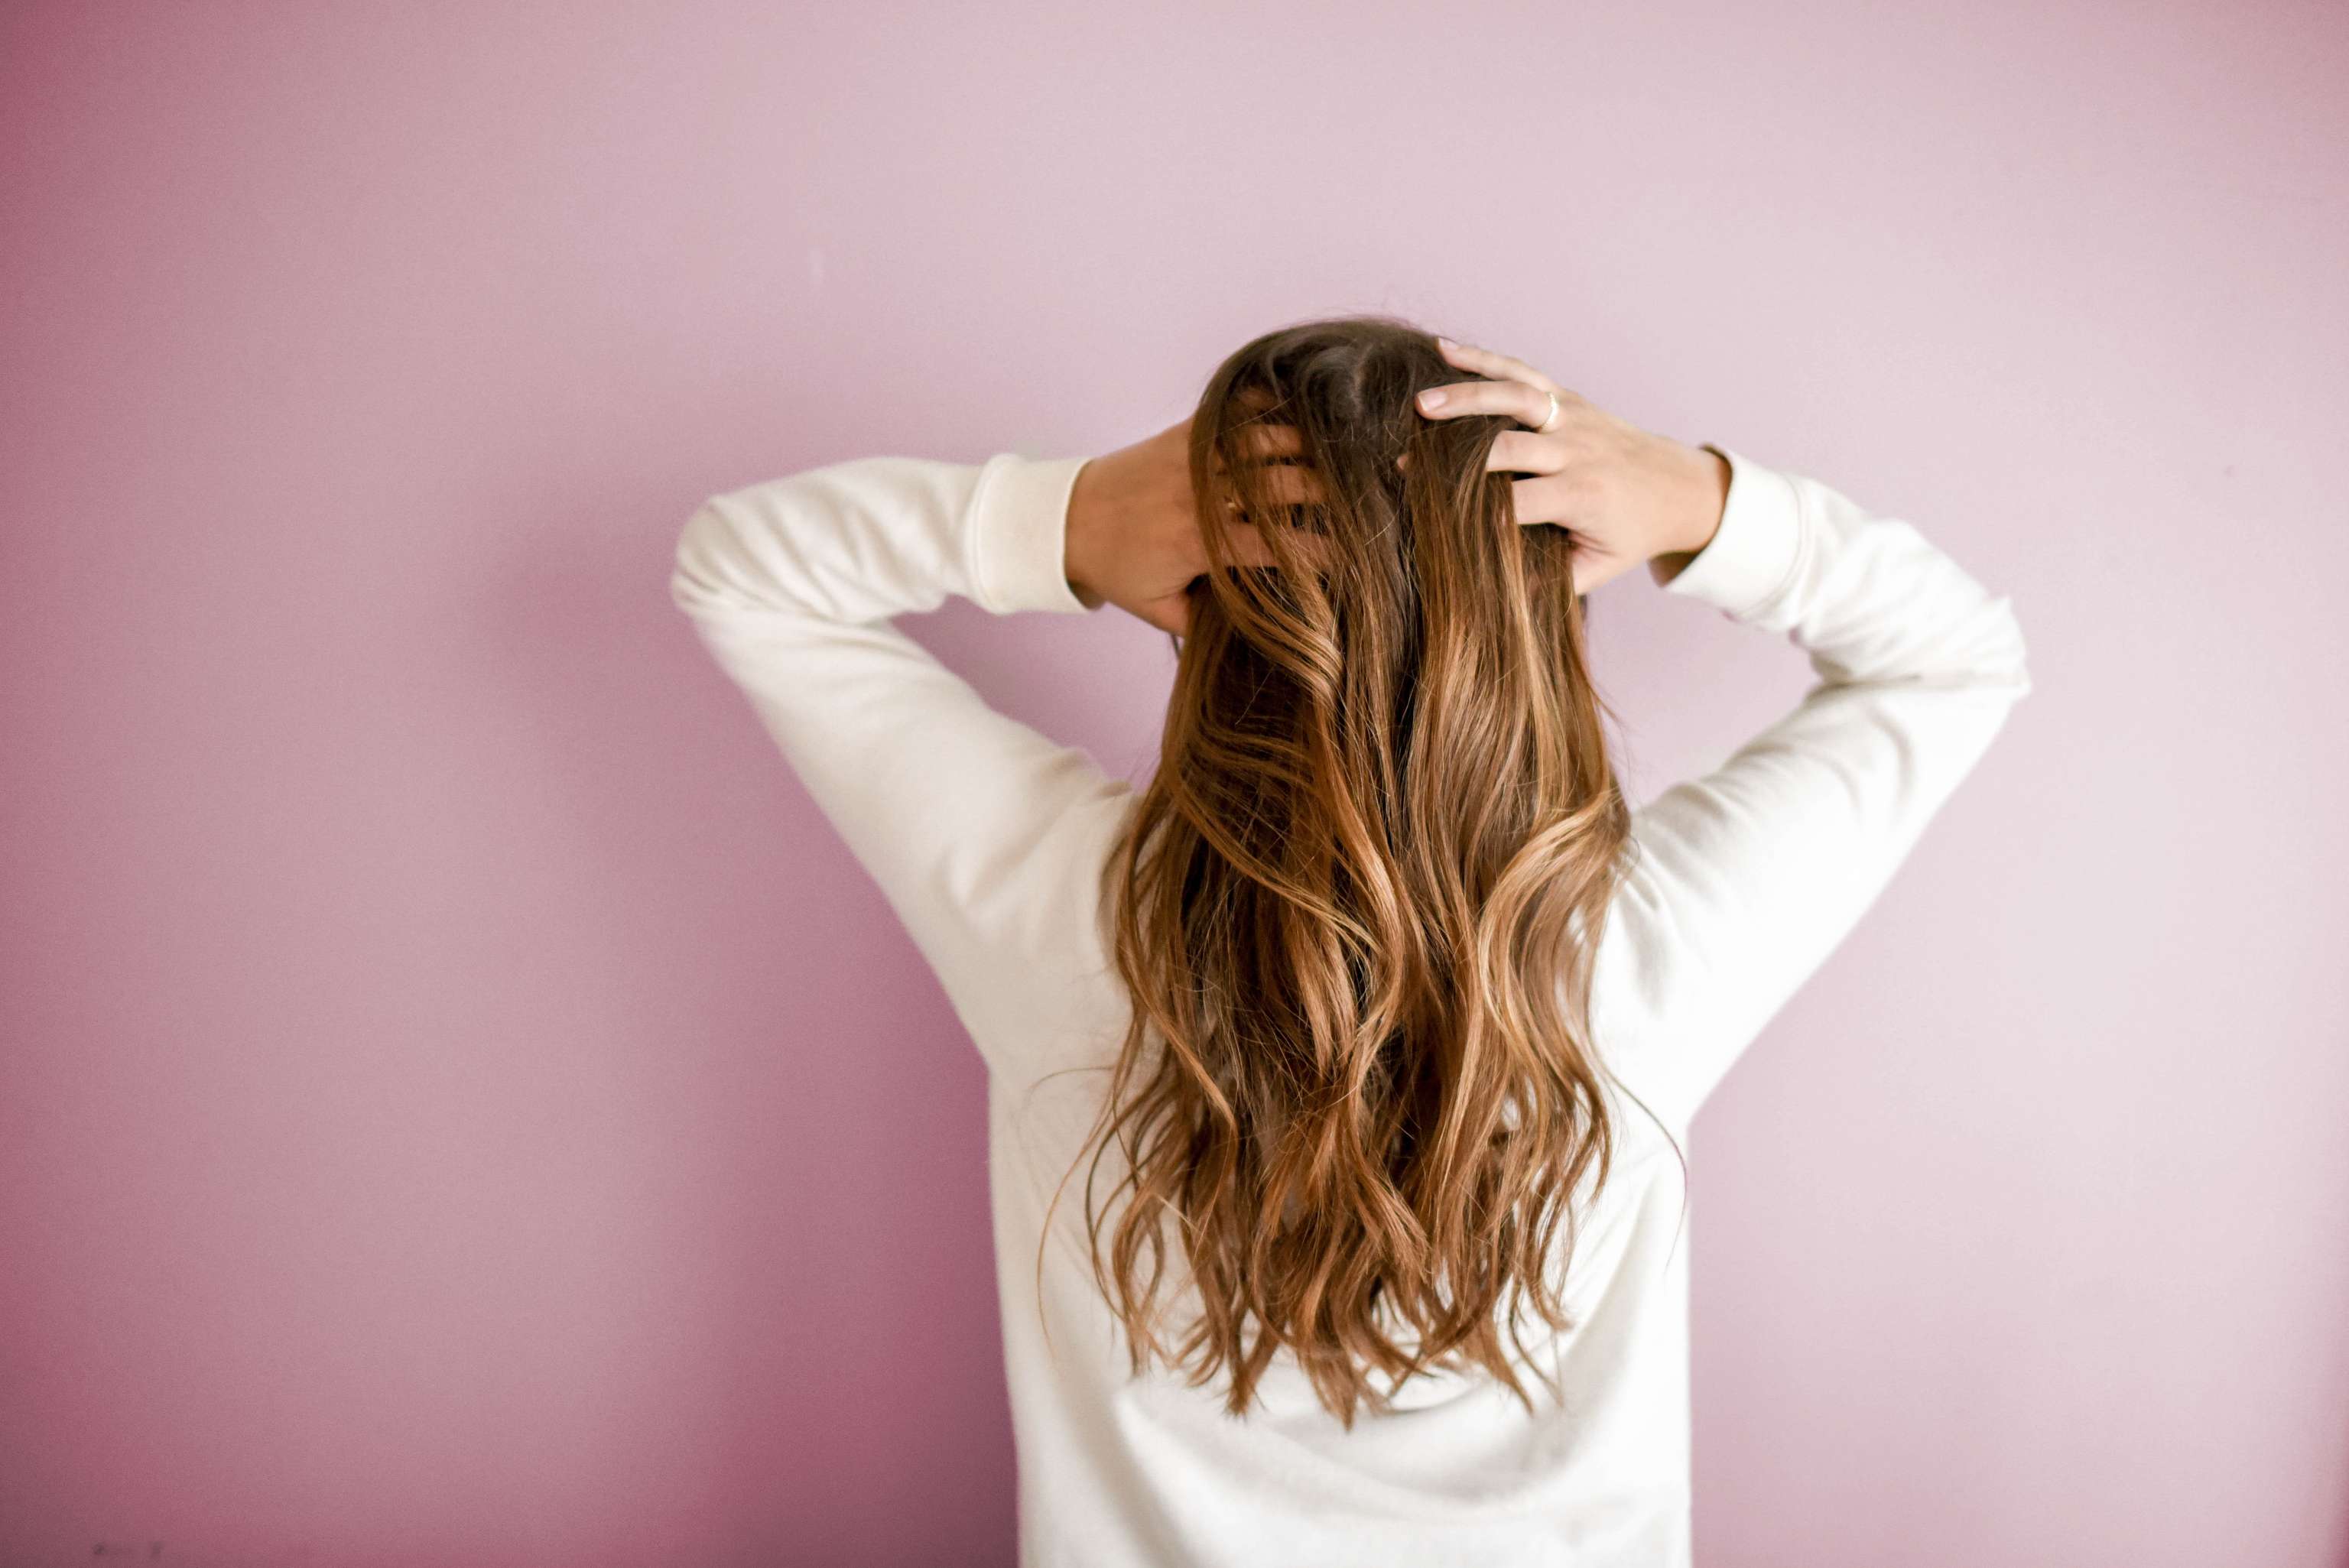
<point x="1379" y="1008"/>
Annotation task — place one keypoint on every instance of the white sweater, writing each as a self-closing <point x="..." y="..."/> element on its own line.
<point x="986" y="837"/>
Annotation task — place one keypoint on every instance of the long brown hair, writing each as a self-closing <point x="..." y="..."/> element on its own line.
<point x="1357" y="902"/>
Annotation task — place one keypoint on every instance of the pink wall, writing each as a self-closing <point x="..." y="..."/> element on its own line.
<point x="460" y="1104"/>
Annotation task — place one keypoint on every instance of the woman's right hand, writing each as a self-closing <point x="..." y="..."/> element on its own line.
<point x="1133" y="536"/>
<point x="1625" y="495"/>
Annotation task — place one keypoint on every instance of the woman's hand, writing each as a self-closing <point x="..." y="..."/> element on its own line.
<point x="1623" y="494"/>
<point x="1133" y="532"/>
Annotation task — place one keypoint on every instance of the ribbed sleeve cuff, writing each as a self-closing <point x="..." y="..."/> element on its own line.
<point x="1018" y="534"/>
<point x="1752" y="556"/>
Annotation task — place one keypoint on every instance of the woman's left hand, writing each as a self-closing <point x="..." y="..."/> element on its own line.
<point x="1133" y="535"/>
<point x="1623" y="494"/>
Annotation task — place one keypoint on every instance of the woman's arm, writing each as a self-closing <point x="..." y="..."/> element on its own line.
<point x="983" y="834"/>
<point x="1743" y="881"/>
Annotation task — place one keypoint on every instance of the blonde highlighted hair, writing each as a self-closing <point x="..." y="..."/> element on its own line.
<point x="1355" y="906"/>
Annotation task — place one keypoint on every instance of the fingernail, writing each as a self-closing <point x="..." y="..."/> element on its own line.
<point x="1431" y="399"/>
<point x="1447" y="343"/>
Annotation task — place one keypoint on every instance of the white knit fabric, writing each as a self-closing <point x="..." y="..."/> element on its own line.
<point x="987" y="838"/>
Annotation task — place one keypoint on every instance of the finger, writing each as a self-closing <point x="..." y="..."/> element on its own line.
<point x="1519" y="400"/>
<point x="1290" y="484"/>
<point x="1245" y="542"/>
<point x="1526" y="452"/>
<point x="1548" y="502"/>
<point x="1247" y="546"/>
<point x="1254" y="440"/>
<point x="1274" y="454"/>
<point x="1549" y="499"/>
<point x="1275" y="485"/>
<point x="1519" y="452"/>
<point x="1500" y="366"/>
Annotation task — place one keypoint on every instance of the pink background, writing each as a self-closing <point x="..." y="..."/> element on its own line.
<point x="461" y="1106"/>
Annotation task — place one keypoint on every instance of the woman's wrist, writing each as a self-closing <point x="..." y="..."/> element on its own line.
<point x="1695" y="514"/>
<point x="1708" y="498"/>
<point x="1080" y="533"/>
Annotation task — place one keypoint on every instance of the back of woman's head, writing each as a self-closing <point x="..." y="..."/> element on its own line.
<point x="1355" y="905"/>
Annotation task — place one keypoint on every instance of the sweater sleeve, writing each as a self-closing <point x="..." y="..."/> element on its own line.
<point x="984" y="835"/>
<point x="1741" y="882"/>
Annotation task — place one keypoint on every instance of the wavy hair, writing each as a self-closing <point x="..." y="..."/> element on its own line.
<point x="1356" y="903"/>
